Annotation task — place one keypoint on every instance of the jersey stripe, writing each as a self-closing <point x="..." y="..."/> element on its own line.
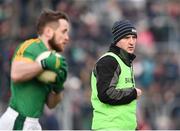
<point x="22" y="48"/>
<point x="19" y="58"/>
<point x="19" y="122"/>
<point x="25" y="45"/>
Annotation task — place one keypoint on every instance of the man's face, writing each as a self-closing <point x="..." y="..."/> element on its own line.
<point x="60" y="37"/>
<point x="128" y="43"/>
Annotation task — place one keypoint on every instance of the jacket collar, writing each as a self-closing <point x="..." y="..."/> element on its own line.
<point x="126" y="57"/>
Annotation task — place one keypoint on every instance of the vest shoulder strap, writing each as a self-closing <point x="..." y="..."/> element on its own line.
<point x="113" y="55"/>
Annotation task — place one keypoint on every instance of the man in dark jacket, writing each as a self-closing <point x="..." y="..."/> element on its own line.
<point x="114" y="92"/>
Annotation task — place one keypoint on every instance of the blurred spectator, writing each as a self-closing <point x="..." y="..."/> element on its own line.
<point x="49" y="120"/>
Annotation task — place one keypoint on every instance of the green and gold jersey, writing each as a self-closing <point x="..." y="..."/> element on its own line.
<point x="28" y="97"/>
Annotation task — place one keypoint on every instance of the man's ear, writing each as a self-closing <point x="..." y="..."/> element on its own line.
<point x="48" y="32"/>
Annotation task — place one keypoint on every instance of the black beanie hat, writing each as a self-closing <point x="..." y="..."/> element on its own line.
<point x="122" y="28"/>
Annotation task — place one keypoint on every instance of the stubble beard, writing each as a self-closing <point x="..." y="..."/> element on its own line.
<point x="53" y="45"/>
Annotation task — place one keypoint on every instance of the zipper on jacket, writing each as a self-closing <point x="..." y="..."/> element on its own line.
<point x="132" y="75"/>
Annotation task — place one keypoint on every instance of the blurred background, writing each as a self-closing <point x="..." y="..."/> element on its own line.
<point x="156" y="65"/>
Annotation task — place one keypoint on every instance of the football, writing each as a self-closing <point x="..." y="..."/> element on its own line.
<point x="46" y="76"/>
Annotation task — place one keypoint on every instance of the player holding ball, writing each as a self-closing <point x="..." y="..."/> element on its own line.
<point x="29" y="93"/>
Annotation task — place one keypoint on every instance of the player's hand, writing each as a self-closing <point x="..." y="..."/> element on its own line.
<point x="51" y="62"/>
<point x="60" y="79"/>
<point x="139" y="92"/>
<point x="63" y="67"/>
<point x="57" y="89"/>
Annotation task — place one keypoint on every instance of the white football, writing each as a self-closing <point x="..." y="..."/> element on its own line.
<point x="46" y="76"/>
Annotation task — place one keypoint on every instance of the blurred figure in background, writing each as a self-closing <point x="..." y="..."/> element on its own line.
<point x="49" y="120"/>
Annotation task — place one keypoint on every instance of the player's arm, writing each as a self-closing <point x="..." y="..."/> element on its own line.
<point x="23" y="70"/>
<point x="53" y="99"/>
<point x="56" y="94"/>
<point x="23" y="66"/>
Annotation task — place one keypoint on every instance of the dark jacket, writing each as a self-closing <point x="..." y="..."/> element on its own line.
<point x="106" y="72"/>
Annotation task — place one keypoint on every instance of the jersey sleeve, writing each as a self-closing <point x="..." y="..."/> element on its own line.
<point x="26" y="51"/>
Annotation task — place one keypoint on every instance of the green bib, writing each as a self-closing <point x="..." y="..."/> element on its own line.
<point x="114" y="117"/>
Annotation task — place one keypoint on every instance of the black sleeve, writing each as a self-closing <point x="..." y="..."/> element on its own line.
<point x="106" y="72"/>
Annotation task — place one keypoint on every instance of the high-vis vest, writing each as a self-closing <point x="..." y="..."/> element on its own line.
<point x="114" y="117"/>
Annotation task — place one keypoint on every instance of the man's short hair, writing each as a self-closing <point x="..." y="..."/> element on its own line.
<point x="49" y="16"/>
